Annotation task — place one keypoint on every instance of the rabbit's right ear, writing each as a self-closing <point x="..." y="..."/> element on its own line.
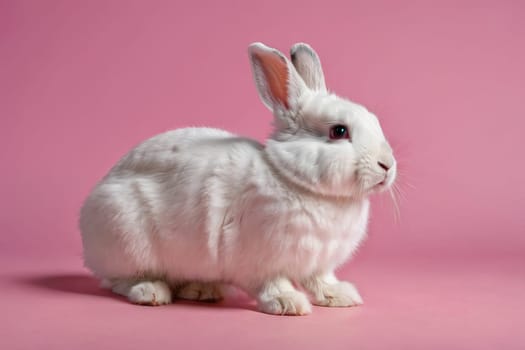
<point x="278" y="83"/>
<point x="308" y="65"/>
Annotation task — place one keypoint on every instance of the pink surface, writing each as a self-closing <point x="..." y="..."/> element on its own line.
<point x="82" y="82"/>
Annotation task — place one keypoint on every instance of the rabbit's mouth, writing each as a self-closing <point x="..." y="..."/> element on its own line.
<point x="384" y="183"/>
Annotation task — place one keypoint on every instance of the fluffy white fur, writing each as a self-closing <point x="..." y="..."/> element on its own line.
<point x="193" y="208"/>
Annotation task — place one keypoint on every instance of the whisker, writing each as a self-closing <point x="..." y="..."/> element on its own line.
<point x="397" y="211"/>
<point x="400" y="193"/>
<point x="402" y="177"/>
<point x="409" y="185"/>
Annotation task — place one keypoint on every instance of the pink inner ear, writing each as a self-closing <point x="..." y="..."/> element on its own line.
<point x="275" y="70"/>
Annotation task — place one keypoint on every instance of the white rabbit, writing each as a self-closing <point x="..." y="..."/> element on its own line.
<point x="191" y="209"/>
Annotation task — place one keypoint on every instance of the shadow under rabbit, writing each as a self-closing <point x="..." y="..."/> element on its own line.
<point x="88" y="285"/>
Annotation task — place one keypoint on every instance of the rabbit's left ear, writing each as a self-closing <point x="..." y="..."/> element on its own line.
<point x="308" y="65"/>
<point x="278" y="83"/>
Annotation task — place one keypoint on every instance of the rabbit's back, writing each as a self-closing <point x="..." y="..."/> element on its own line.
<point x="167" y="151"/>
<point x="137" y="209"/>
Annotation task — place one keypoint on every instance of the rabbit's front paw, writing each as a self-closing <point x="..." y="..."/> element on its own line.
<point x="279" y="297"/>
<point x="286" y="303"/>
<point x="340" y="294"/>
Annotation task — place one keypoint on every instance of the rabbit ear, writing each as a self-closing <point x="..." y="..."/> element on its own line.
<point x="278" y="83"/>
<point x="308" y="65"/>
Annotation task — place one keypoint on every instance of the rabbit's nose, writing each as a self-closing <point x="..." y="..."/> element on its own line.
<point x="384" y="166"/>
<point x="385" y="158"/>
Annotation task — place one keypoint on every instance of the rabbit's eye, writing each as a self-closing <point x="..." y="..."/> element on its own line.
<point x="338" y="132"/>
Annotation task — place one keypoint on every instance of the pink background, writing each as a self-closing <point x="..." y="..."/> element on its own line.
<point x="81" y="82"/>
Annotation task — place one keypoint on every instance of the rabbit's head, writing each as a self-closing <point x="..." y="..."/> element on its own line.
<point x="322" y="142"/>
